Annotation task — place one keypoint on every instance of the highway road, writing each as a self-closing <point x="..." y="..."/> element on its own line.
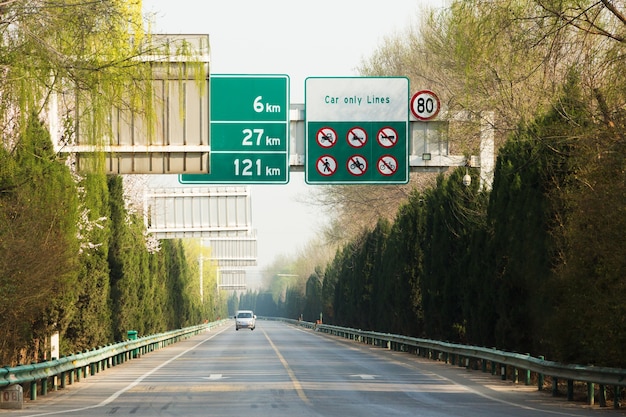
<point x="282" y="370"/>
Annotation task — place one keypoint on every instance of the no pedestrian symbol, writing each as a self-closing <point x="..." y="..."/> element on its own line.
<point x="357" y="137"/>
<point x="326" y="137"/>
<point x="387" y="137"/>
<point x="357" y="165"/>
<point x="387" y="165"/>
<point x="326" y="165"/>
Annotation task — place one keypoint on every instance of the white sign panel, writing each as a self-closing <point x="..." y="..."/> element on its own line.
<point x="357" y="130"/>
<point x="358" y="98"/>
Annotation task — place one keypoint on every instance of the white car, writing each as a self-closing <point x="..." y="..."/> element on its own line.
<point x="245" y="319"/>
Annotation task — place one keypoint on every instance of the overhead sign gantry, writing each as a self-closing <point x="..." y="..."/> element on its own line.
<point x="249" y="131"/>
<point x="356" y="130"/>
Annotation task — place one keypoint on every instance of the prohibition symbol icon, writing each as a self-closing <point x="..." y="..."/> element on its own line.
<point x="326" y="165"/>
<point x="357" y="165"/>
<point x="357" y="137"/>
<point x="387" y="165"/>
<point x="326" y="137"/>
<point x="387" y="137"/>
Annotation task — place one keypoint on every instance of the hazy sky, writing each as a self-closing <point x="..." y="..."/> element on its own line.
<point x="294" y="37"/>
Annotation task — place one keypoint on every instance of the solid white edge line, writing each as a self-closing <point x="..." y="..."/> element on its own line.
<point x="133" y="384"/>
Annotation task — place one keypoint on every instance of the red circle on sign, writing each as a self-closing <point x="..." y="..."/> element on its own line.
<point x="326" y="137"/>
<point x="326" y="165"/>
<point x="357" y="165"/>
<point x="387" y="137"/>
<point x="425" y="105"/>
<point x="356" y="137"/>
<point x="387" y="165"/>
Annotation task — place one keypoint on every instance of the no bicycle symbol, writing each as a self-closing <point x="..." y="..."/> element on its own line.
<point x="326" y="165"/>
<point x="387" y="165"/>
<point x="326" y="137"/>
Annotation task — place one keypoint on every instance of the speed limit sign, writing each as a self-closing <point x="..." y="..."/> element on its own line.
<point x="425" y="105"/>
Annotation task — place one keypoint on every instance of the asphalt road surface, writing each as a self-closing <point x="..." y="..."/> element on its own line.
<point x="282" y="370"/>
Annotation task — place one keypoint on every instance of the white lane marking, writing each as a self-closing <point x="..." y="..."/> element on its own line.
<point x="133" y="384"/>
<point x="364" y="376"/>
<point x="214" y="377"/>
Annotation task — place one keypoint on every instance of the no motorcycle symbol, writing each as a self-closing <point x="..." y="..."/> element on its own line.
<point x="357" y="165"/>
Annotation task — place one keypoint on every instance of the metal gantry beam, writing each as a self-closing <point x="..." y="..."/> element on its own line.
<point x="179" y="140"/>
<point x="198" y="212"/>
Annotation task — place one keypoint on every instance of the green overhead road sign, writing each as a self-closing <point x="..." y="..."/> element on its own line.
<point x="249" y="131"/>
<point x="357" y="130"/>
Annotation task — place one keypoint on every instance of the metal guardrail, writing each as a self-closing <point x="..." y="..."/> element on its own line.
<point x="91" y="362"/>
<point x="456" y="353"/>
<point x="79" y="365"/>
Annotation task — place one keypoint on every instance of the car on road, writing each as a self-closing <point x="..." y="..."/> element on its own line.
<point x="245" y="319"/>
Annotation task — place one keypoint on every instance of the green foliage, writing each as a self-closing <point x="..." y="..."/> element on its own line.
<point x="536" y="265"/>
<point x="73" y="259"/>
<point x="81" y="51"/>
<point x="587" y="325"/>
<point x="233" y="304"/>
<point x="91" y="322"/>
<point x="266" y="306"/>
<point x="38" y="218"/>
<point x="313" y="298"/>
<point x="452" y="215"/>
<point x="211" y="303"/>
<point x="151" y="291"/>
<point x="400" y="303"/>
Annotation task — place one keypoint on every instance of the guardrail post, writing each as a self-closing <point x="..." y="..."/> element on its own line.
<point x="62" y="378"/>
<point x="503" y="372"/>
<point x="591" y="394"/>
<point x="33" y="390"/>
<point x="493" y="368"/>
<point x="540" y="378"/>
<point x="515" y="375"/>
<point x="483" y="364"/>
<point x="602" y="395"/>
<point x="570" y="390"/>
<point x="555" y="386"/>
<point x="527" y="374"/>
<point x="616" y="394"/>
<point x="44" y="386"/>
